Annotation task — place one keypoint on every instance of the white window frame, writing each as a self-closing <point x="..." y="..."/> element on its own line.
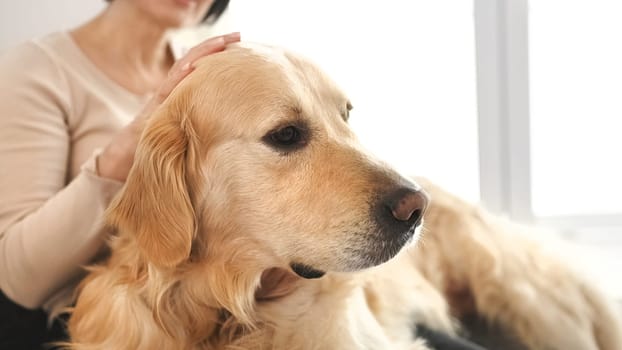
<point x="502" y="49"/>
<point x="503" y="106"/>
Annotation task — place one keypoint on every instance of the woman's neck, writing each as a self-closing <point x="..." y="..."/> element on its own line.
<point x="128" y="46"/>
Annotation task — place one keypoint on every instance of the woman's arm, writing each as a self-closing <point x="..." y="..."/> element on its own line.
<point x="49" y="230"/>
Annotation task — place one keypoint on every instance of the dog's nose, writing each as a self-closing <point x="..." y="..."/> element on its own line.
<point x="397" y="213"/>
<point x="407" y="204"/>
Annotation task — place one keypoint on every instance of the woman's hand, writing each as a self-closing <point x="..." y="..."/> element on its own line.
<point x="118" y="156"/>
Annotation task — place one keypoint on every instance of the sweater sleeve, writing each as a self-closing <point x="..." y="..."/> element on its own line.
<point x="49" y="226"/>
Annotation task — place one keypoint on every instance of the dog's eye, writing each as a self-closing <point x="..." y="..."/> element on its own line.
<point x="286" y="138"/>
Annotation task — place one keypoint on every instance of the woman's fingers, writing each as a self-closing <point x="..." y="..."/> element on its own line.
<point x="207" y="47"/>
<point x="176" y="75"/>
<point x="184" y="65"/>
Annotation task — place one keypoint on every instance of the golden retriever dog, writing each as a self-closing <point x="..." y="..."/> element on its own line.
<point x="253" y="219"/>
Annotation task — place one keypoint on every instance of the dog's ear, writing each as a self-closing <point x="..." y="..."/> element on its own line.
<point x="155" y="204"/>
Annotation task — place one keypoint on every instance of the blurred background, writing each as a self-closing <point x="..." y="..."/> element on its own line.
<point x="512" y="104"/>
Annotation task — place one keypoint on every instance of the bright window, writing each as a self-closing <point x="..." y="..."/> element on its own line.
<point x="576" y="106"/>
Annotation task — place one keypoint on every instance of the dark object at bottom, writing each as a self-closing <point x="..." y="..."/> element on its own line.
<point x="479" y="335"/>
<point x="24" y="329"/>
<point x="441" y="341"/>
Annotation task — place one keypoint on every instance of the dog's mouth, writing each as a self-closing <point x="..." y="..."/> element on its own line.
<point x="306" y="271"/>
<point x="374" y="252"/>
<point x="382" y="249"/>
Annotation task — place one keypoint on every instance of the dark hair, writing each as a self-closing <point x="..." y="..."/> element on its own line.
<point x="214" y="12"/>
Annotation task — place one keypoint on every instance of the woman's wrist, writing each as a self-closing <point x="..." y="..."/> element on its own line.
<point x="115" y="161"/>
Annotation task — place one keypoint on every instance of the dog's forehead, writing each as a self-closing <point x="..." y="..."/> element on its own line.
<point x="244" y="66"/>
<point x="255" y="81"/>
<point x="270" y="54"/>
<point x="296" y="68"/>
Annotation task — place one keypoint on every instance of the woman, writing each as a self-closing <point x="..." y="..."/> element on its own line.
<point x="72" y="106"/>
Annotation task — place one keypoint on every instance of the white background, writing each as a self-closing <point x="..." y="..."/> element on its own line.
<point x="576" y="106"/>
<point x="409" y="69"/>
<point x="24" y="19"/>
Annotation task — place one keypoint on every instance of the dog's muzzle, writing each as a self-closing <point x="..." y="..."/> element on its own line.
<point x="396" y="218"/>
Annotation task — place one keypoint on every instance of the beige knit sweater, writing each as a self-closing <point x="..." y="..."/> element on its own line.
<point x="56" y="110"/>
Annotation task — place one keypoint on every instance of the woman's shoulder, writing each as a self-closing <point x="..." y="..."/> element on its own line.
<point x="33" y="82"/>
<point x="35" y="58"/>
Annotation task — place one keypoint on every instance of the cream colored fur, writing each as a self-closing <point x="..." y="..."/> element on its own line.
<point x="211" y="216"/>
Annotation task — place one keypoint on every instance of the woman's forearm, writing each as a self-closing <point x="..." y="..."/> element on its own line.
<point x="49" y="246"/>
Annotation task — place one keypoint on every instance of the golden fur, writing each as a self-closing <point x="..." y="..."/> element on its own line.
<point x="211" y="217"/>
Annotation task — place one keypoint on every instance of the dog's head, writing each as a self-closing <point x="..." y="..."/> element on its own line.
<point x="251" y="157"/>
